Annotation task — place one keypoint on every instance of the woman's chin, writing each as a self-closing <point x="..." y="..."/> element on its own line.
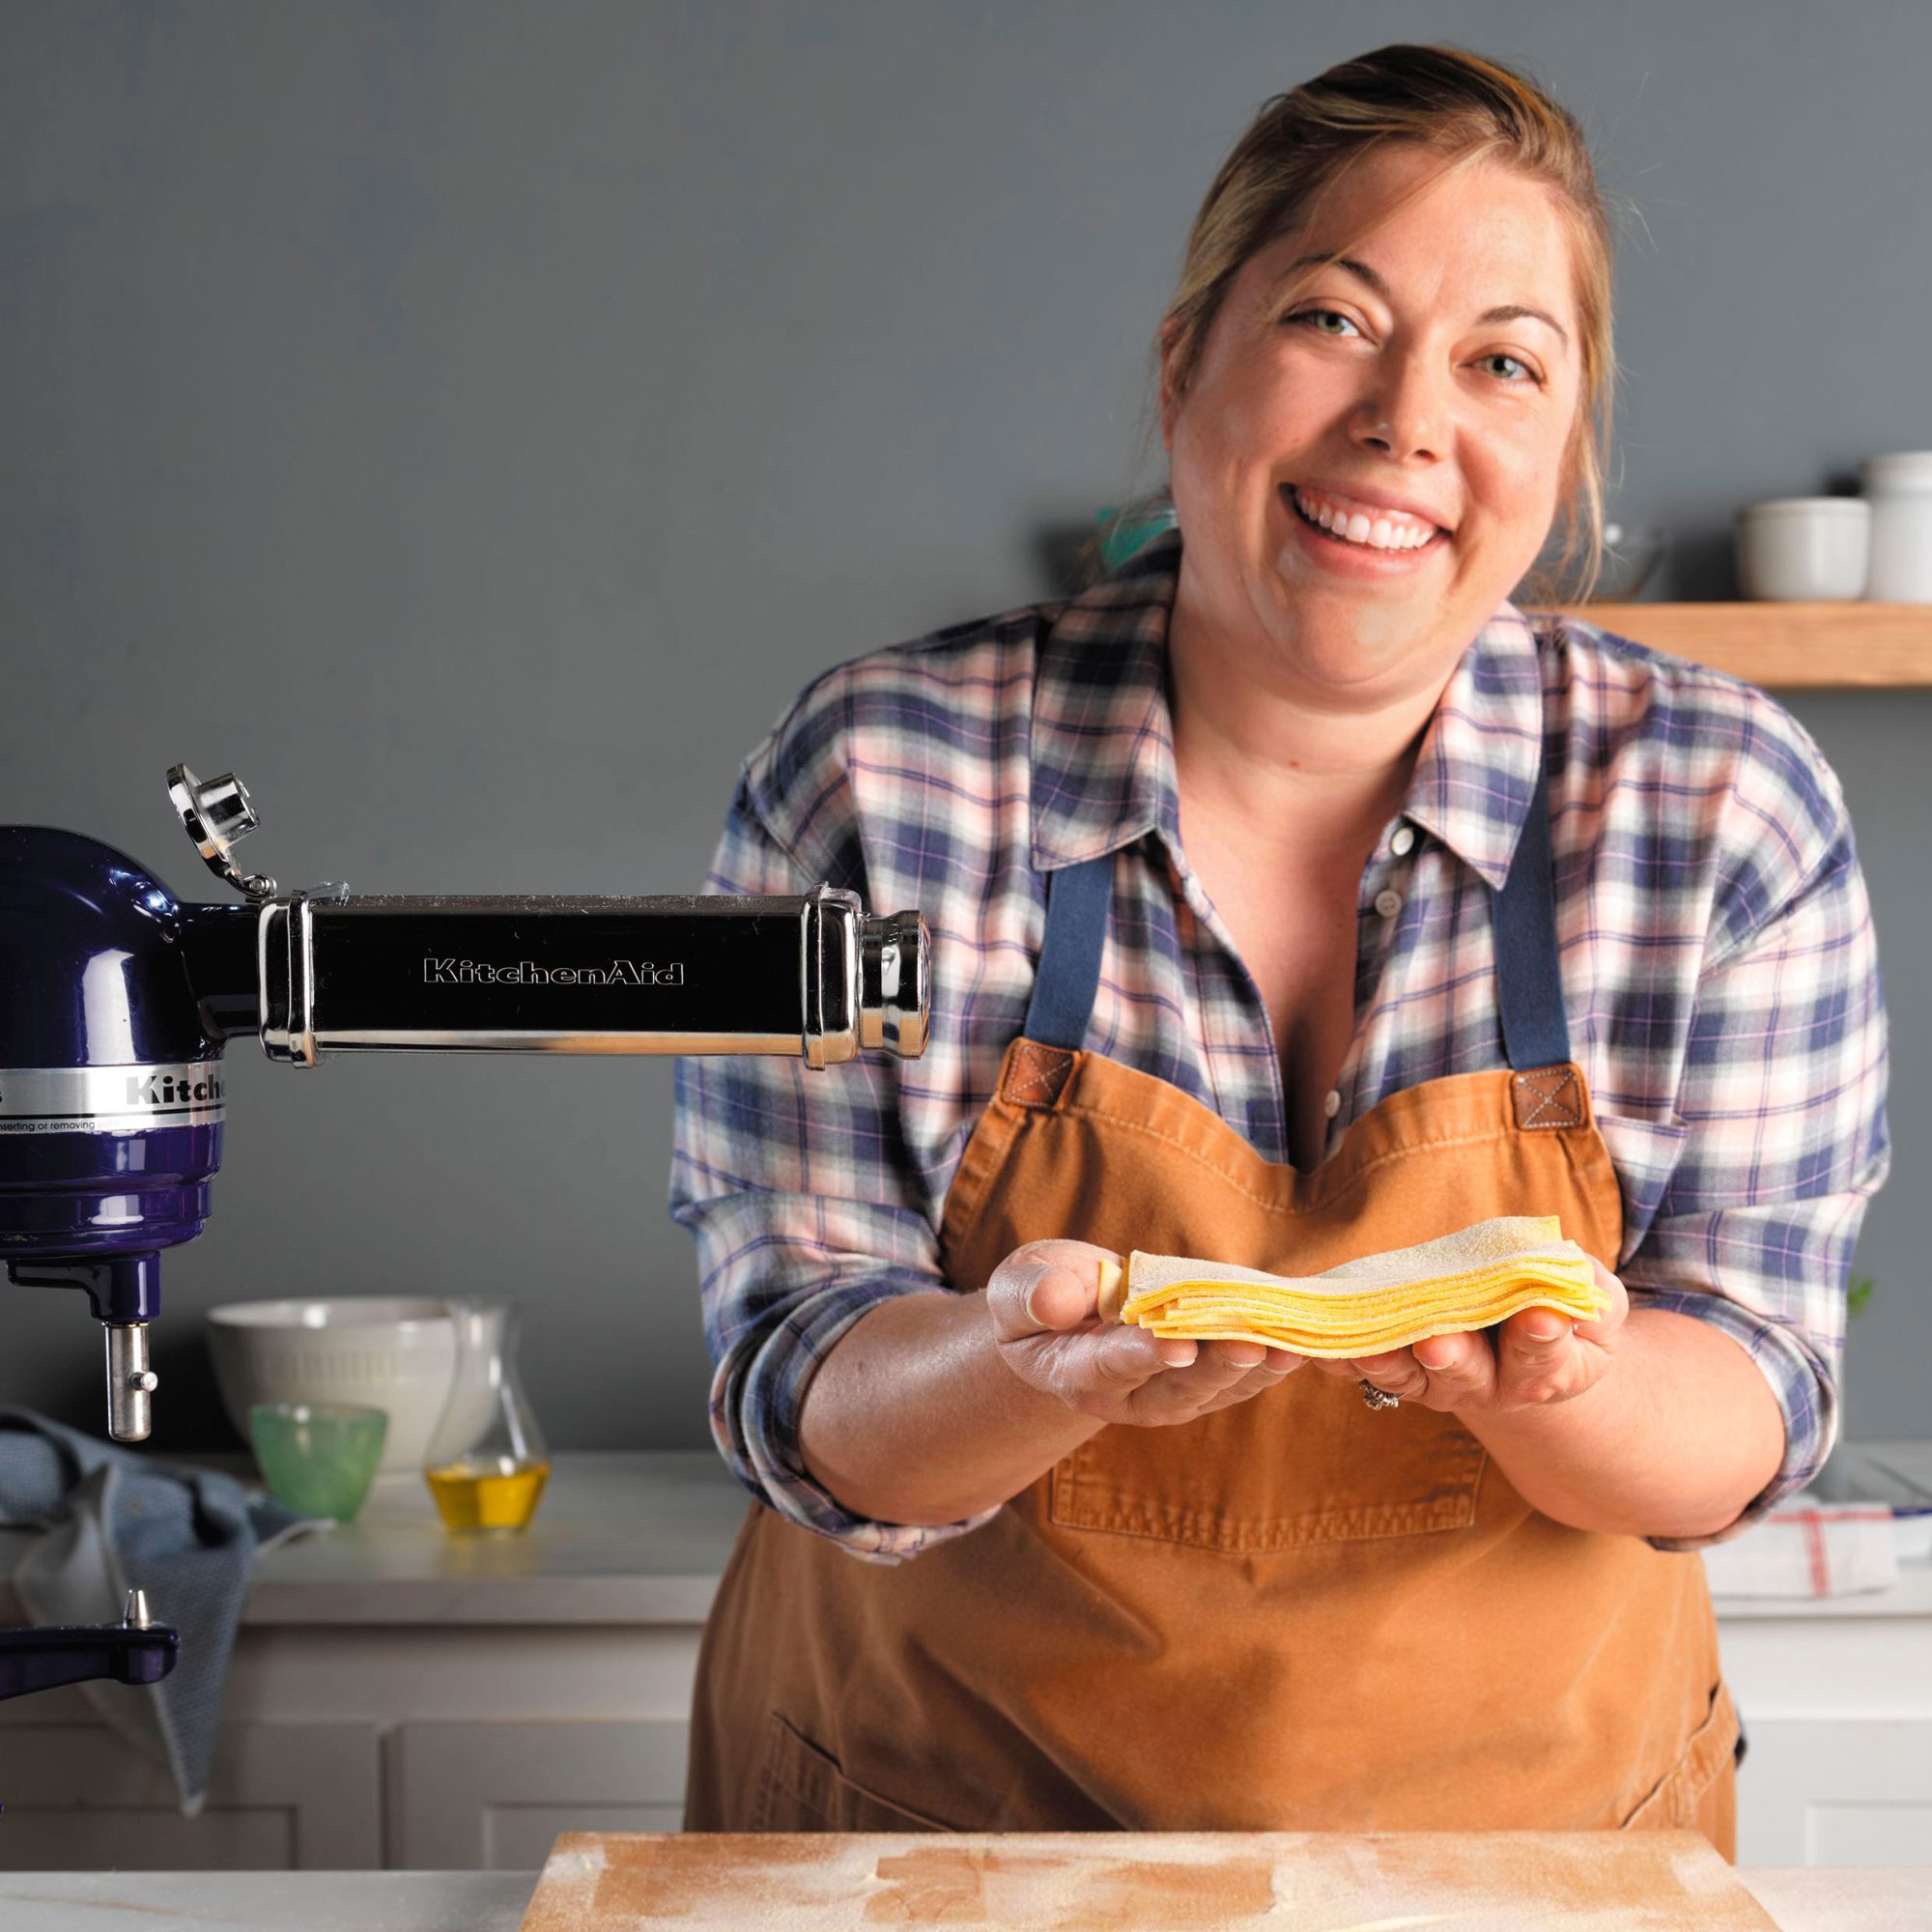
<point x="1339" y="639"/>
<point x="1389" y="611"/>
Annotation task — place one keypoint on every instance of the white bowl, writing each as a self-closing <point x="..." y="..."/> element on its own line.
<point x="393" y="1352"/>
<point x="1804" y="549"/>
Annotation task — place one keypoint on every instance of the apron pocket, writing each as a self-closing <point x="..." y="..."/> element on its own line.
<point x="1305" y="1464"/>
<point x="803" y="1789"/>
<point x="1672" y="1805"/>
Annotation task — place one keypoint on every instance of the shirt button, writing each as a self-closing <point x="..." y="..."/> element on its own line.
<point x="1332" y="1105"/>
<point x="1404" y="838"/>
<point x="1388" y="903"/>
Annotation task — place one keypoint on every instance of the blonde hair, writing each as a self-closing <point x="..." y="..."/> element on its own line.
<point x="1451" y="102"/>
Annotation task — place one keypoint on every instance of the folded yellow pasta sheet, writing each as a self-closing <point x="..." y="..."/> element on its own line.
<point x="1469" y="1280"/>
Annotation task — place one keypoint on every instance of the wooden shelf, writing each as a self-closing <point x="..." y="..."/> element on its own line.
<point x="1785" y="646"/>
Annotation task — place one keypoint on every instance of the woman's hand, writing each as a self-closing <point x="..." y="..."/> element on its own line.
<point x="1043" y="1301"/>
<point x="1535" y="1358"/>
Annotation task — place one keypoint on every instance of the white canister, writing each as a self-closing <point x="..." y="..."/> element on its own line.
<point x="1804" y="549"/>
<point x="1899" y="489"/>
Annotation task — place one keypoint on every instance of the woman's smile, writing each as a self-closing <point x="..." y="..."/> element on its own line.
<point x="1352" y="545"/>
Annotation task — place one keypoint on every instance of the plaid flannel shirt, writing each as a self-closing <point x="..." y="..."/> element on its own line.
<point x="1720" y="970"/>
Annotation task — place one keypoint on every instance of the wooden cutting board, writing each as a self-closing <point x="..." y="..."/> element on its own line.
<point x="1121" y="1881"/>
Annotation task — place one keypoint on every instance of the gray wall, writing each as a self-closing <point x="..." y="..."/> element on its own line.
<point x="472" y="424"/>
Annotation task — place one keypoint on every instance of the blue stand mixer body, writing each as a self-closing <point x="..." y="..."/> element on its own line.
<point x="110" y="1068"/>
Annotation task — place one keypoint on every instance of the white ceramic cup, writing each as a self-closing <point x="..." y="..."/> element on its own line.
<point x="1804" y="549"/>
<point x="1899" y="489"/>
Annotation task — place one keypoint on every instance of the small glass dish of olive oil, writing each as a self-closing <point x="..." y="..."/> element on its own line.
<point x="486" y="1464"/>
<point x="487" y="1491"/>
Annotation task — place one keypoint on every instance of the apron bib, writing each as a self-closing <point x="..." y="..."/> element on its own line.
<point x="1295" y="1615"/>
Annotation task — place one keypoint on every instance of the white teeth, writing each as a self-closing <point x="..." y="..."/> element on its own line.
<point x="1380" y="533"/>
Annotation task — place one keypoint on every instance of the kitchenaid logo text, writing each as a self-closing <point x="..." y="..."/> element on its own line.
<point x="527" y="973"/>
<point x="168" y="1090"/>
<point x="110" y="1100"/>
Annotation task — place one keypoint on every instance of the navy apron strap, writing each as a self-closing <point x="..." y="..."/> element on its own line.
<point x="1529" y="986"/>
<point x="1077" y="899"/>
<point x="1535" y="1030"/>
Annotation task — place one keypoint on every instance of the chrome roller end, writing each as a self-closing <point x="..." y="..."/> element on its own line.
<point x="131" y="1382"/>
<point x="896" y="981"/>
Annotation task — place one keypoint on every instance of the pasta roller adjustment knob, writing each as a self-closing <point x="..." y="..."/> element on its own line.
<point x="215" y="813"/>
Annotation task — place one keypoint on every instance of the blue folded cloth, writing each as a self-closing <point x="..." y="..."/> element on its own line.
<point x="114" y="1520"/>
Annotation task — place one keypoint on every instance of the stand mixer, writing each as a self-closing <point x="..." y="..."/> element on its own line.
<point x="117" y="1000"/>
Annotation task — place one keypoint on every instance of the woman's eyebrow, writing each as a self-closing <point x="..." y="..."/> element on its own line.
<point x="1502" y="312"/>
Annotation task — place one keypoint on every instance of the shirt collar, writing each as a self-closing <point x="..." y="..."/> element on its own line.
<point x="1103" y="741"/>
<point x="1479" y="759"/>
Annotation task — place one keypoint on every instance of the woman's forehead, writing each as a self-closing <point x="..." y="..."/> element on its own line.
<point x="1486" y="236"/>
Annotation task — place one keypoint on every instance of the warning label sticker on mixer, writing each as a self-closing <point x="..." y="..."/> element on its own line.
<point x="110" y="1100"/>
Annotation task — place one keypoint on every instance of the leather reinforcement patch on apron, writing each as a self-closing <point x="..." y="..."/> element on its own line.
<point x="1550" y="1096"/>
<point x="1036" y="1075"/>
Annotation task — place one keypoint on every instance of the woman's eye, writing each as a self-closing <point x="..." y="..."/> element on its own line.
<point x="1317" y="315"/>
<point x="1529" y="375"/>
<point x="1316" y="320"/>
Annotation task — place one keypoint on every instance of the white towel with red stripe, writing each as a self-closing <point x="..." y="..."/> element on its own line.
<point x="1806" y="1548"/>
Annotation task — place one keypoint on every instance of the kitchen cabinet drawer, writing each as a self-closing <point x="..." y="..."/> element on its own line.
<point x="1855" y="1791"/>
<point x="281" y="1797"/>
<point x="491" y="1797"/>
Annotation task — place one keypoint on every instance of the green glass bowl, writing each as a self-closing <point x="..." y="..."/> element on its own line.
<point x="318" y="1456"/>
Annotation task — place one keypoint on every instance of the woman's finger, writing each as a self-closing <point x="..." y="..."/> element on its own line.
<point x="1059" y="1299"/>
<point x="1045" y="1287"/>
<point x="1461" y="1369"/>
<point x="1221" y="1366"/>
<point x="1533" y="1355"/>
<point x="1117" y="1359"/>
<point x="1397" y="1373"/>
<point x="1602" y="1331"/>
<point x="1258" y="1379"/>
<point x="1238" y="1354"/>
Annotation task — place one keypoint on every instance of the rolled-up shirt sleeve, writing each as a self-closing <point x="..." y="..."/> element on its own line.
<point x="1782" y="1110"/>
<point x="798" y="1193"/>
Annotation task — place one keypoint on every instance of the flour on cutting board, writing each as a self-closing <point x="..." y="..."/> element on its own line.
<point x="1178" y="1882"/>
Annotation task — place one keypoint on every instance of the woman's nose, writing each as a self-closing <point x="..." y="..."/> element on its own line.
<point x="1404" y="414"/>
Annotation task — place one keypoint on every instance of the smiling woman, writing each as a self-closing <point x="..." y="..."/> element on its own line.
<point x="1296" y="898"/>
<point x="1341" y="161"/>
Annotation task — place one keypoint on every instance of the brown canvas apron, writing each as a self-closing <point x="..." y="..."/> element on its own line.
<point x="1294" y="1614"/>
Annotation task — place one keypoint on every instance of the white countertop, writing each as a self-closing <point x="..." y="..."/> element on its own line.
<point x="637" y="1537"/>
<point x="633" y="1536"/>
<point x="403" y="1901"/>
<point x="630" y="1537"/>
<point x="1878" y="1899"/>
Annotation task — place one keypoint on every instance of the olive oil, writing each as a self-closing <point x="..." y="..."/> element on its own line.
<point x="487" y="1491"/>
